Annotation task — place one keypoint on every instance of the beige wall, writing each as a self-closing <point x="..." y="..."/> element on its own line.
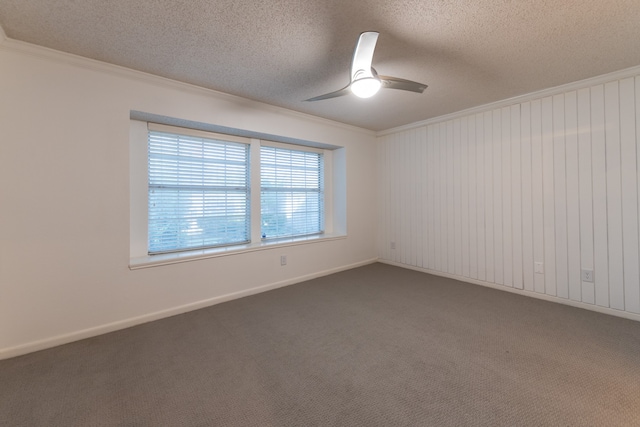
<point x="64" y="200"/>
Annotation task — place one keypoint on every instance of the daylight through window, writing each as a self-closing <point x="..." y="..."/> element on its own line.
<point x="198" y="192"/>
<point x="292" y="196"/>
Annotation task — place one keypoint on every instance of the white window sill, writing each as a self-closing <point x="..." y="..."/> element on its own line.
<point x="178" y="257"/>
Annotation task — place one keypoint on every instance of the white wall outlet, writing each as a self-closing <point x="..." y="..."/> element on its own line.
<point x="393" y="245"/>
<point x="587" y="276"/>
<point x="538" y="267"/>
<point x="283" y="260"/>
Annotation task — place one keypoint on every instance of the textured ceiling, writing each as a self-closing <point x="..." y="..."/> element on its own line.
<point x="469" y="52"/>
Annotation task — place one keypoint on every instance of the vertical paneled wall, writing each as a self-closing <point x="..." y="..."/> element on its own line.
<point x="551" y="181"/>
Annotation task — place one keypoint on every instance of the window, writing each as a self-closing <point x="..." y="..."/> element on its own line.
<point x="201" y="191"/>
<point x="198" y="192"/>
<point x="292" y="196"/>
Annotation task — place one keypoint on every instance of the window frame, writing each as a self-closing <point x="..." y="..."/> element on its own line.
<point x="322" y="188"/>
<point x="334" y="212"/>
<point x="217" y="140"/>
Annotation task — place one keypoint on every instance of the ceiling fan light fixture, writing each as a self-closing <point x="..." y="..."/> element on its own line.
<point x="366" y="87"/>
<point x="364" y="79"/>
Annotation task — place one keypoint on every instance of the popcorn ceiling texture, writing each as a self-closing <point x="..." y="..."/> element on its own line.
<point x="469" y="52"/>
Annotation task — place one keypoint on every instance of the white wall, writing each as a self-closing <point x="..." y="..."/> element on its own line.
<point x="64" y="200"/>
<point x="550" y="177"/>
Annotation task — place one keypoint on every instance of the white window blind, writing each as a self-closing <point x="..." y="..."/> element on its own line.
<point x="292" y="192"/>
<point x="198" y="192"/>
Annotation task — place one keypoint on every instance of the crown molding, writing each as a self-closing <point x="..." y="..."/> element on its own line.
<point x="11" y="45"/>
<point x="580" y="84"/>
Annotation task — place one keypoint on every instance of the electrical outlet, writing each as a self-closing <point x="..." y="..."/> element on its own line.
<point x="283" y="260"/>
<point x="587" y="276"/>
<point x="538" y="267"/>
<point x="393" y="245"/>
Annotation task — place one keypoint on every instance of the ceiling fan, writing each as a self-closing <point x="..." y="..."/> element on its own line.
<point x="365" y="81"/>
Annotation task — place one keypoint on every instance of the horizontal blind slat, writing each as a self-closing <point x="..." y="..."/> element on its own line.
<point x="292" y="193"/>
<point x="198" y="192"/>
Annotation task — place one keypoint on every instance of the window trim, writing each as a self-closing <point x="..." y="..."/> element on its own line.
<point x="335" y="220"/>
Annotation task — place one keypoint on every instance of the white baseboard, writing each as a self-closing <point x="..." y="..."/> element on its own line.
<point x="127" y="323"/>
<point x="545" y="297"/>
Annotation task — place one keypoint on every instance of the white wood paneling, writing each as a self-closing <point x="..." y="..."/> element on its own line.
<point x="629" y="195"/>
<point x="382" y="201"/>
<point x="637" y="105"/>
<point x="384" y="233"/>
<point x="405" y="196"/>
<point x="444" y="217"/>
<point x="488" y="196"/>
<point x="450" y="184"/>
<point x="481" y="198"/>
<point x="401" y="243"/>
<point x="433" y="198"/>
<point x="599" y="182"/>
<point x="425" y="197"/>
<point x="537" y="192"/>
<point x="412" y="160"/>
<point x="614" y="195"/>
<point x="573" y="195"/>
<point x="553" y="181"/>
<point x="473" y="202"/>
<point x="437" y="163"/>
<point x="586" y="191"/>
<point x="408" y="198"/>
<point x="464" y="193"/>
<point x="404" y="177"/>
<point x="457" y="197"/>
<point x="498" y="243"/>
<point x="560" y="196"/>
<point x="416" y="204"/>
<point x="548" y="199"/>
<point x="507" y="230"/>
<point x="390" y="208"/>
<point x="527" y="200"/>
<point x="393" y="194"/>
<point x="516" y="196"/>
<point x="397" y="200"/>
<point x="393" y="208"/>
<point x="417" y="228"/>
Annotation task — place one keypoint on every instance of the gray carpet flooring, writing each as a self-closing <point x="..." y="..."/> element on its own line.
<point x="372" y="346"/>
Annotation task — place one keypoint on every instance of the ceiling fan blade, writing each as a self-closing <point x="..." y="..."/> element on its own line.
<point x="363" y="55"/>
<point x="402" y="84"/>
<point x="341" y="92"/>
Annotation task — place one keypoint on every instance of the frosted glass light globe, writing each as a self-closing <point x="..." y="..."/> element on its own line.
<point x="366" y="87"/>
